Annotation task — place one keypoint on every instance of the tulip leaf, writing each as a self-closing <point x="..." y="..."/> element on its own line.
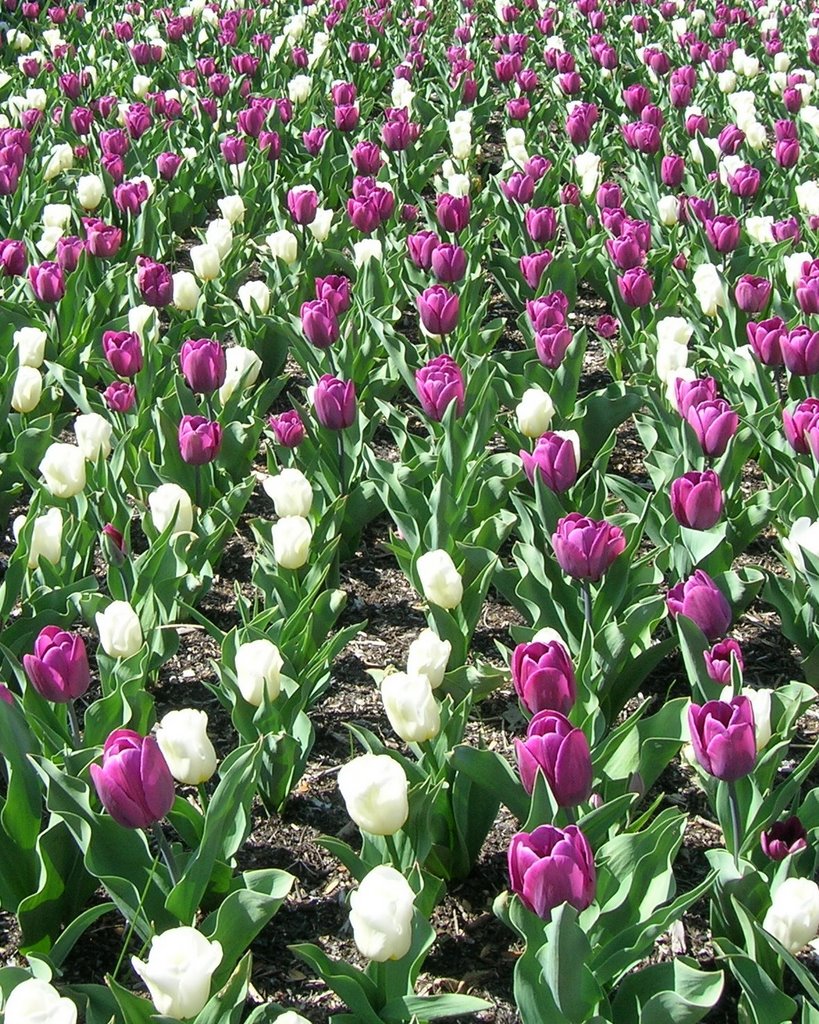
<point x="564" y="957"/>
<point x="674" y="991"/>
<point x="432" y="1007"/>
<point x="353" y="986"/>
<point x="491" y="771"/>
<point x="228" y="1004"/>
<point x="765" y="1001"/>
<point x="134" y="1009"/>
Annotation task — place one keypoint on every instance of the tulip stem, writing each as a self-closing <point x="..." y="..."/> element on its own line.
<point x="74" y="723"/>
<point x="342" y="486"/>
<point x="392" y="851"/>
<point x="778" y="381"/>
<point x="736" y="826"/>
<point x="57" y="330"/>
<point x="587" y="604"/>
<point x="197" y="473"/>
<point x="132" y="923"/>
<point x="204" y="800"/>
<point x="165" y="851"/>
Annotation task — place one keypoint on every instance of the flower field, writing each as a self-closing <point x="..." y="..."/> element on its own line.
<point x="409" y="604"/>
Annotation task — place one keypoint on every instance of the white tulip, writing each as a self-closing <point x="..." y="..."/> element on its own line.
<point x="46" y="537"/>
<point x="219" y="234"/>
<point x="668" y="210"/>
<point x="534" y="412"/>
<point x="254" y="293"/>
<point x="27" y="390"/>
<point x="587" y="166"/>
<point x="186" y="290"/>
<point x="119" y="629"/>
<point x="760" y="230"/>
<point x="709" y="289"/>
<point x="428" y="655"/>
<point x="374" y="788"/>
<point x="93" y="433"/>
<point x="30" y="343"/>
<point x="793" y="917"/>
<point x="291" y="537"/>
<point x="410" y="706"/>
<point x="807" y="195"/>
<point x="170" y="503"/>
<point x="284" y="245"/>
<point x="367" y="249"/>
<point x="320" y="226"/>
<point x="258" y="671"/>
<point x="290" y="492"/>
<point x="803" y="536"/>
<point x="299" y="88"/>
<point x="183" y="739"/>
<point x="37" y="1002"/>
<point x="56" y="215"/>
<point x="793" y="266"/>
<point x="206" y="262"/>
<point x="63" y="469"/>
<point x="381" y="912"/>
<point x="232" y="208"/>
<point x="290" y="1016"/>
<point x="242" y="368"/>
<point x="60" y="159"/>
<point x="140" y="84"/>
<point x="179" y="970"/>
<point x="761" y="704"/>
<point x="441" y="582"/>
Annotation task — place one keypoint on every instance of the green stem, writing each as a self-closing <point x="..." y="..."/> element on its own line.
<point x="587" y="604"/>
<point x="736" y="826"/>
<point x="165" y="851"/>
<point x="342" y="485"/>
<point x="392" y="850"/>
<point x="74" y="723"/>
<point x="204" y="799"/>
<point x="132" y="924"/>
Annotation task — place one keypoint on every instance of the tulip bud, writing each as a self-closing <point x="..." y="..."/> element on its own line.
<point x="254" y="296"/>
<point x="586" y="548"/>
<point x="170" y="503"/>
<point x="284" y="245"/>
<point x="232" y="208"/>
<point x="27" y="390"/>
<point x="35" y="1001"/>
<point x="697" y="500"/>
<point x="439" y="384"/>
<point x="556" y="458"/>
<point x="63" y="470"/>
<point x="290" y="492"/>
<point x="723" y="737"/>
<point x="206" y="262"/>
<point x="561" y="752"/>
<point x="719" y="660"/>
<point x="543" y="676"/>
<point x="441" y="582"/>
<point x="120" y="630"/>
<point x="242" y="368"/>
<point x="203" y="364"/>
<point x="793" y="917"/>
<point x="551" y="866"/>
<point x="374" y="788"/>
<point x="183" y="739"/>
<point x="428" y="656"/>
<point x="200" y="440"/>
<point x="93" y="433"/>
<point x="291" y="537"/>
<point x="411" y="707"/>
<point x="288" y="428"/>
<point x="534" y="412"/>
<point x="30" y="343"/>
<point x="134" y="782"/>
<point x="334" y="402"/>
<point x="381" y="912"/>
<point x="179" y="970"/>
<point x="46" y="537"/>
<point x="186" y="291"/>
<point x="58" y="669"/>
<point x="784" y="838"/>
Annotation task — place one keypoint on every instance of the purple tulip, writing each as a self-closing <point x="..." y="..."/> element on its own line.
<point x="804" y="417"/>
<point x="784" y="838"/>
<point x="723" y="233"/>
<point x="203" y="365"/>
<point x="800" y="351"/>
<point x="448" y="263"/>
<point x="690" y="393"/>
<point x="532" y="267"/>
<point x="102" y="240"/>
<point x="551" y="344"/>
<point x="745" y="182"/>
<point x="200" y="440"/>
<point x="12" y="257"/>
<point x="607" y="325"/>
<point x="714" y="423"/>
<point x="636" y="287"/>
<point x="319" y="323"/>
<point x="730" y="139"/>
<point x="130" y="196"/>
<point x="120" y="397"/>
<point x="167" y="164"/>
<point x="439" y="384"/>
<point x="366" y="158"/>
<point x="672" y="171"/>
<point x="287" y="428"/>
<point x="543" y="676"/>
<point x="788" y="229"/>
<point x="335" y="290"/>
<point x="123" y="350"/>
<point x="698" y="598"/>
<point x="697" y="500"/>
<point x="47" y="281"/>
<point x="302" y="203"/>
<point x="69" y="250"/>
<point x="58" y="669"/>
<point x="541" y="223"/>
<point x="752" y="294"/>
<point x="453" y="212"/>
<point x="723" y="737"/>
<point x="555" y="458"/>
<point x="718" y="660"/>
<point x="234" y="149"/>
<point x="519" y="188"/>
<point x="438" y="308"/>
<point x="421" y="246"/>
<point x="134" y="783"/>
<point x="155" y="282"/>
<point x="561" y="752"/>
<point x="807" y="288"/>
<point x="586" y="548"/>
<point x="765" y="338"/>
<point x="334" y="402"/>
<point x="551" y="866"/>
<point x="547" y="311"/>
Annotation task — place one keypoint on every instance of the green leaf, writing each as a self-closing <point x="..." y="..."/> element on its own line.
<point x="349" y="984"/>
<point x="667" y="993"/>
<point x="564" y="957"/>
<point x="432" y="1007"/>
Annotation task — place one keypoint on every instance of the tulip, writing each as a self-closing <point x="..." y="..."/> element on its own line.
<point x="586" y="548"/>
<point x="381" y="912"/>
<point x="207" y="263"/>
<point x="551" y="866"/>
<point x="47" y="282"/>
<point x="283" y="245"/>
<point x="719" y="660"/>
<point x="374" y="789"/>
<point x="690" y="393"/>
<point x="561" y="752"/>
<point x="27" y="389"/>
<point x="178" y="972"/>
<point x="793" y="917"/>
<point x="155" y="282"/>
<point x="93" y="433"/>
<point x="797" y="423"/>
<point x="123" y="351"/>
<point x="438" y="309"/>
<point x="701" y="600"/>
<point x="58" y="669"/>
<point x="335" y="290"/>
<point x="448" y="263"/>
<point x="134" y="782"/>
<point x="290" y="492"/>
<point x="551" y="344"/>
<point x="714" y="423"/>
<point x="63" y="470"/>
<point x="200" y="440"/>
<point x="183" y="739"/>
<point x="46" y="538"/>
<point x="30" y="343"/>
<point x="441" y="582"/>
<point x="723" y="737"/>
<point x="761" y="705"/>
<point x="556" y="458"/>
<point x="170" y="503"/>
<point x="35" y="1001"/>
<point x="258" y="667"/>
<point x="541" y="223"/>
<point x="428" y="656"/>
<point x="120" y="397"/>
<point x="319" y="323"/>
<point x="334" y="402"/>
<point x="784" y="838"/>
<point x="203" y="364"/>
<point x="800" y="351"/>
<point x="697" y="500"/>
<point x="439" y="384"/>
<point x="723" y="233"/>
<point x="243" y="368"/>
<point x="543" y="675"/>
<point x="287" y="428"/>
<point x="410" y="706"/>
<point x="302" y="203"/>
<point x="120" y="630"/>
<point x="90" y="190"/>
<point x="765" y="338"/>
<point x="534" y="412"/>
<point x="254" y="296"/>
<point x="752" y="294"/>
<point x="636" y="287"/>
<point x="291" y="536"/>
